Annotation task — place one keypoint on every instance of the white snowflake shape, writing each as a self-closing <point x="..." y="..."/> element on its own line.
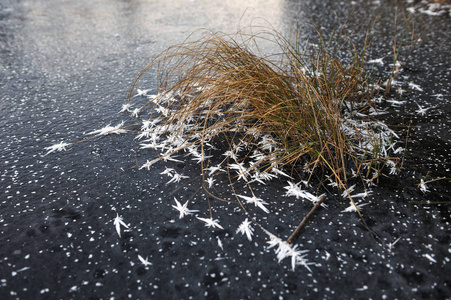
<point x="183" y="209"/>
<point x="57" y="147"/>
<point x="245" y="228"/>
<point x="257" y="201"/>
<point x="211" y="223"/>
<point x="118" y="221"/>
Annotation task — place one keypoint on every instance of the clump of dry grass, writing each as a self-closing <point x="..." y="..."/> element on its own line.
<point x="302" y="107"/>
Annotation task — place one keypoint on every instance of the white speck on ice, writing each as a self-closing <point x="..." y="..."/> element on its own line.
<point x="431" y="259"/>
<point x="144" y="261"/>
<point x="376" y="61"/>
<point x="73" y="289"/>
<point x="220" y="243"/>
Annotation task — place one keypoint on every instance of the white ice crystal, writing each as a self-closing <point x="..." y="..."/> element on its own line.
<point x="257" y="201"/>
<point x="183" y="209"/>
<point x="209" y="222"/>
<point x="57" y="147"/>
<point x="245" y="228"/>
<point x="109" y="130"/>
<point x="118" y="221"/>
<point x="144" y="261"/>
<point x="284" y="250"/>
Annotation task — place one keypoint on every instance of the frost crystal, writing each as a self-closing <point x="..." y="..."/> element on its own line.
<point x="183" y="209"/>
<point x="284" y="250"/>
<point x="257" y="201"/>
<point x="211" y="223"/>
<point x="144" y="261"/>
<point x="423" y="186"/>
<point x="109" y="130"/>
<point x="57" y="147"/>
<point x="118" y="222"/>
<point x="245" y="228"/>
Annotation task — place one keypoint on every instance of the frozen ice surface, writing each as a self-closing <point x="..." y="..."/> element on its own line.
<point x="65" y="69"/>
